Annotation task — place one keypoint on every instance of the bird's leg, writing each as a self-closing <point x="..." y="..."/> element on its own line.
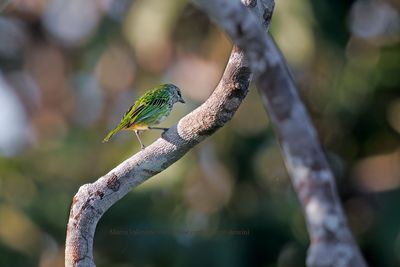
<point x="158" y="128"/>
<point x="140" y="141"/>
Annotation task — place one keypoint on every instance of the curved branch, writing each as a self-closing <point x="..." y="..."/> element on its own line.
<point x="332" y="243"/>
<point x="92" y="200"/>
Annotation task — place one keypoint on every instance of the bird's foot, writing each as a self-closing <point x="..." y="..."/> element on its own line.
<point x="159" y="128"/>
<point x="164" y="132"/>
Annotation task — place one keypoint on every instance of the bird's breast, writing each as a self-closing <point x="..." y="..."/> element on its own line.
<point x="138" y="127"/>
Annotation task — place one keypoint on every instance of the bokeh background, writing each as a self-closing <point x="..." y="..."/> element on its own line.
<point x="69" y="70"/>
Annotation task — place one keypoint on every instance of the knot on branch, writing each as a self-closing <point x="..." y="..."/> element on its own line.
<point x="113" y="183"/>
<point x="242" y="80"/>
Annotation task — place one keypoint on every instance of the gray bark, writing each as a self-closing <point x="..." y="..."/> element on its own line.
<point x="332" y="244"/>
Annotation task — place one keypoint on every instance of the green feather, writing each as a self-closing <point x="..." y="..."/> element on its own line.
<point x="150" y="109"/>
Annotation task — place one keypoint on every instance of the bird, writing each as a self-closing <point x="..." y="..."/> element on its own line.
<point x="150" y="109"/>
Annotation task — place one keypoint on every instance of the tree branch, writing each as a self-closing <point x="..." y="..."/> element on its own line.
<point x="92" y="200"/>
<point x="332" y="243"/>
<point x="331" y="240"/>
<point x="242" y="26"/>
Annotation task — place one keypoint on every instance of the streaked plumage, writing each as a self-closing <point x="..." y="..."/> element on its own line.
<point x="150" y="109"/>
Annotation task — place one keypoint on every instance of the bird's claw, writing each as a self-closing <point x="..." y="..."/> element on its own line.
<point x="164" y="131"/>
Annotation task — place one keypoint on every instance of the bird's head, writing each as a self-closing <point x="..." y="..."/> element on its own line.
<point x="176" y="93"/>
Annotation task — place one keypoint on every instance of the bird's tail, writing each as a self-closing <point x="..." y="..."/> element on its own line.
<point x="110" y="134"/>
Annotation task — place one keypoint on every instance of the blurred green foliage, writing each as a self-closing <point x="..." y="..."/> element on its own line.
<point x="69" y="70"/>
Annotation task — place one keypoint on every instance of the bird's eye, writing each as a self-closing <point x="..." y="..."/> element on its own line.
<point x="179" y="94"/>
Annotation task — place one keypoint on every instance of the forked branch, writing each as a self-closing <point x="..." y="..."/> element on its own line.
<point x="331" y="241"/>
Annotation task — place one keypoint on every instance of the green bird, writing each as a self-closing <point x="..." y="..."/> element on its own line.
<point x="150" y="109"/>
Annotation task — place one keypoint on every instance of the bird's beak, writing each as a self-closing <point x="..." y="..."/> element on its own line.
<point x="182" y="101"/>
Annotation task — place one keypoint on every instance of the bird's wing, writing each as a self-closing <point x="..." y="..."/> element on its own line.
<point x="150" y="109"/>
<point x="144" y="108"/>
